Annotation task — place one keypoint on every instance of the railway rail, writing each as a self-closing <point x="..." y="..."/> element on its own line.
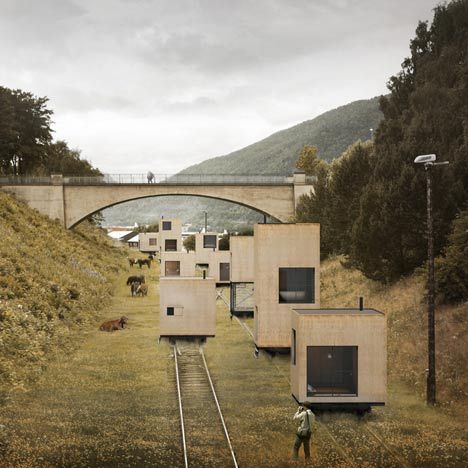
<point x="205" y="437"/>
<point x="334" y="436"/>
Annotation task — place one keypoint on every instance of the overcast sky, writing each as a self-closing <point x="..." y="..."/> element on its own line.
<point x="139" y="84"/>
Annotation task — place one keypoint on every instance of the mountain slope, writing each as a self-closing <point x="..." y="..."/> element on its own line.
<point x="332" y="132"/>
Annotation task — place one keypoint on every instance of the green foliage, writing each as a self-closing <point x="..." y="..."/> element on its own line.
<point x="425" y="113"/>
<point x="452" y="267"/>
<point x="153" y="227"/>
<point x="51" y="281"/>
<point x="189" y="243"/>
<point x="224" y="243"/>
<point x="309" y="161"/>
<point x="25" y="131"/>
<point x="26" y="146"/>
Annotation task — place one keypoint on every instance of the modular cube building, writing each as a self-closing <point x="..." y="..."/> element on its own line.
<point x="170" y="235"/>
<point x="242" y="274"/>
<point x="339" y="358"/>
<point x="149" y="242"/>
<point x="286" y="275"/>
<point x="187" y="307"/>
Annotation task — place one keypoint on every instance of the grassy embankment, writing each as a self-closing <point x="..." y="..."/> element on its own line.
<point x="52" y="282"/>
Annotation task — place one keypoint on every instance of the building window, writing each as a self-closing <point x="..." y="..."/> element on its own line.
<point x="224" y="271"/>
<point x="209" y="242"/>
<point x="170" y="311"/>
<point x="293" y="347"/>
<point x="166" y="225"/>
<point x="152" y="241"/>
<point x="170" y="245"/>
<point x="172" y="268"/>
<point x="200" y="268"/>
<point x="332" y="370"/>
<point x="296" y="285"/>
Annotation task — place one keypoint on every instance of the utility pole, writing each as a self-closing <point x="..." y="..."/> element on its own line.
<point x="429" y="161"/>
<point x="431" y="375"/>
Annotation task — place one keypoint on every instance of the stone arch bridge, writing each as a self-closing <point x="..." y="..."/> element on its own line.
<point x="72" y="199"/>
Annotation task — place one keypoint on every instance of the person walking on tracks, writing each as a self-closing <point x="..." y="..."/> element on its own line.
<point x="304" y="431"/>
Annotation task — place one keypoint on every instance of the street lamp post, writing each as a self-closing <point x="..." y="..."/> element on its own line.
<point x="429" y="160"/>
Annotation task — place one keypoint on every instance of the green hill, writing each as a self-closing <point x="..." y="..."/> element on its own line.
<point x="332" y="132"/>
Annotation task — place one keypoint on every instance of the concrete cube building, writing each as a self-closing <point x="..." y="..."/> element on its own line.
<point x="242" y="275"/>
<point x="187" y="307"/>
<point x="148" y="242"/>
<point x="286" y="275"/>
<point x="339" y="358"/>
<point x="170" y="235"/>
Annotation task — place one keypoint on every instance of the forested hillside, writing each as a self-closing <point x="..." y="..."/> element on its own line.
<point x="331" y="132"/>
<point x="371" y="202"/>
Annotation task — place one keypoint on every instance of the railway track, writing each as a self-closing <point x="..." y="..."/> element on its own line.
<point x="205" y="438"/>
<point x="341" y="432"/>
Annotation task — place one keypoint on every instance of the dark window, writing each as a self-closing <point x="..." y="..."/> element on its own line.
<point x="296" y="285"/>
<point x="152" y="241"/>
<point x="170" y="311"/>
<point x="224" y="270"/>
<point x="332" y="370"/>
<point x="209" y="242"/>
<point x="166" y="225"/>
<point x="293" y="347"/>
<point x="172" y="268"/>
<point x="170" y="245"/>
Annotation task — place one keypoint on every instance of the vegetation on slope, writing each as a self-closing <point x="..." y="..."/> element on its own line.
<point x="371" y="203"/>
<point x="51" y="282"/>
<point x="405" y="305"/>
<point x="331" y="132"/>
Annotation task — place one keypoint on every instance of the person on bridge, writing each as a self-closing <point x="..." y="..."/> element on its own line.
<point x="150" y="177"/>
<point x="304" y="431"/>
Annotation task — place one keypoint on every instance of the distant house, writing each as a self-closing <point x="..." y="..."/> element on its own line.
<point x="131" y="239"/>
<point x="149" y="242"/>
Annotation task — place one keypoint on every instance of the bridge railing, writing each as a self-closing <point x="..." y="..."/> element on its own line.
<point x="179" y="179"/>
<point x="176" y="179"/>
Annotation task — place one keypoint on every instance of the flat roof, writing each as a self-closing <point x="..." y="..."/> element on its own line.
<point x="179" y="278"/>
<point x="344" y="311"/>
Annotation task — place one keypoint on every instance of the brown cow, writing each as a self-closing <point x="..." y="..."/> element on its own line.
<point x="142" y="290"/>
<point x="113" y="325"/>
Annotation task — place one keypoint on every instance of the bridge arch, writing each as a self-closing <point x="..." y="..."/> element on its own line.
<point x="276" y="201"/>
<point x="75" y="223"/>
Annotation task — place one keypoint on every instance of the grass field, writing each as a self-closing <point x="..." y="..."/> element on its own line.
<point x="113" y="403"/>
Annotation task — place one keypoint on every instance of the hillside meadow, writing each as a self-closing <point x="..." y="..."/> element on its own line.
<point x="52" y="283"/>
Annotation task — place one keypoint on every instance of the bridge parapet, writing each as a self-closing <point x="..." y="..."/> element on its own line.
<point x="177" y="179"/>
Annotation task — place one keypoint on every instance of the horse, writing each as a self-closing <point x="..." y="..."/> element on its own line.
<point x="134" y="288"/>
<point x="132" y="261"/>
<point x="135" y="279"/>
<point x="144" y="261"/>
<point x="113" y="325"/>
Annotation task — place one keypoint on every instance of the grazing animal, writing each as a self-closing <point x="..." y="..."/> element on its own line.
<point x="134" y="288"/>
<point x="144" y="261"/>
<point x="135" y="279"/>
<point x="132" y="261"/>
<point x="151" y="256"/>
<point x="113" y="325"/>
<point x="142" y="290"/>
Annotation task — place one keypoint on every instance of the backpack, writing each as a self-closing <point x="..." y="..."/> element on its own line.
<point x="305" y="431"/>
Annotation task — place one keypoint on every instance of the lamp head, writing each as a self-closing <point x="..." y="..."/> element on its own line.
<point x="425" y="159"/>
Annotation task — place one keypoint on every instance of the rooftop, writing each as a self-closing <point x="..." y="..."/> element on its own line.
<point x="338" y="312"/>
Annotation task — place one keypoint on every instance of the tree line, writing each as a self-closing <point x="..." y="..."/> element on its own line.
<point x="371" y="202"/>
<point x="27" y="147"/>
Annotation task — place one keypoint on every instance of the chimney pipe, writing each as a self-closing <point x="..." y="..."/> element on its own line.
<point x="204" y="274"/>
<point x="361" y="303"/>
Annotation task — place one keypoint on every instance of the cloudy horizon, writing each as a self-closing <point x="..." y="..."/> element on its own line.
<point x="141" y="84"/>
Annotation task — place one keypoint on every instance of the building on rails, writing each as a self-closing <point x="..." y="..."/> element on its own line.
<point x="242" y="275"/>
<point x="286" y="275"/>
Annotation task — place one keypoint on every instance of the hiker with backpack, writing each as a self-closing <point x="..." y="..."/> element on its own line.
<point x="304" y="431"/>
